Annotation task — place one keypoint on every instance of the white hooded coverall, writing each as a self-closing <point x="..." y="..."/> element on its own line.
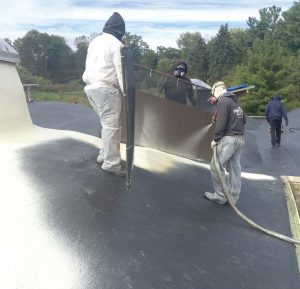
<point x="103" y="76"/>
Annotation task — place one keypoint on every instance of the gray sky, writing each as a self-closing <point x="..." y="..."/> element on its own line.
<point x="159" y="22"/>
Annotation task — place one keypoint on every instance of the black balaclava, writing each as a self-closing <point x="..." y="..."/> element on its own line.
<point x="180" y="69"/>
<point x="115" y="26"/>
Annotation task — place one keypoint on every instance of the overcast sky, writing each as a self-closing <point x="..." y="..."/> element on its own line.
<point x="159" y="22"/>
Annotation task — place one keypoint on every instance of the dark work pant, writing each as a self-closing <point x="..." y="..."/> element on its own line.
<point x="275" y="130"/>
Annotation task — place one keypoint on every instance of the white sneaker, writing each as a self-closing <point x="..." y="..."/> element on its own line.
<point x="120" y="173"/>
<point x="213" y="197"/>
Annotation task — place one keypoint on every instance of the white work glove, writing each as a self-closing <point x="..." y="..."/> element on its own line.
<point x="213" y="144"/>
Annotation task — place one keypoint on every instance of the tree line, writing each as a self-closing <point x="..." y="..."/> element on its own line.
<point x="266" y="54"/>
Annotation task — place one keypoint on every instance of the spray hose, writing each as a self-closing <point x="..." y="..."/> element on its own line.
<point x="245" y="218"/>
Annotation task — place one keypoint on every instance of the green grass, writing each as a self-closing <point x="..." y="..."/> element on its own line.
<point x="77" y="97"/>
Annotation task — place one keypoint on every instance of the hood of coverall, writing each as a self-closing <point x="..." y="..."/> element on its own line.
<point x="217" y="90"/>
<point x="115" y="26"/>
<point x="230" y="94"/>
<point x="277" y="97"/>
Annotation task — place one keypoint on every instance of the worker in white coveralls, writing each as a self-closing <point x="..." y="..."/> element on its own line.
<point x="229" y="142"/>
<point x="104" y="88"/>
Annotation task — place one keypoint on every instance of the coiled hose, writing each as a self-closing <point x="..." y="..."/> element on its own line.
<point x="245" y="218"/>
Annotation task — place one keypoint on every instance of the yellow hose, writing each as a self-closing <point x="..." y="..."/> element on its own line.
<point x="245" y="218"/>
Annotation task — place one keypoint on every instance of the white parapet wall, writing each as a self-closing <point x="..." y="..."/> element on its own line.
<point x="14" y="114"/>
<point x="15" y="122"/>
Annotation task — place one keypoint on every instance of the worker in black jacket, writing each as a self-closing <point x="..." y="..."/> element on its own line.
<point x="275" y="111"/>
<point x="179" y="87"/>
<point x="229" y="142"/>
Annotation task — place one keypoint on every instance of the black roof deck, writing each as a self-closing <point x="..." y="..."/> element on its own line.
<point x="162" y="233"/>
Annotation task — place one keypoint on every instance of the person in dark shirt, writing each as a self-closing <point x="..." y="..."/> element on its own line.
<point x="179" y="87"/>
<point x="275" y="111"/>
<point x="229" y="142"/>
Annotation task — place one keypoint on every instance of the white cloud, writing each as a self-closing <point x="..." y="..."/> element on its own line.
<point x="72" y="18"/>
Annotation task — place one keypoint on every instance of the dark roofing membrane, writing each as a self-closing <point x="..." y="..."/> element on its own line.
<point x="8" y="53"/>
<point x="162" y="234"/>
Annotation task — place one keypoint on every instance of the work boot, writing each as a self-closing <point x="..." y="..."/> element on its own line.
<point x="120" y="173"/>
<point x="213" y="197"/>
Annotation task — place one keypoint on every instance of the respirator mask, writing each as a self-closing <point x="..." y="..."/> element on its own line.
<point x="180" y="70"/>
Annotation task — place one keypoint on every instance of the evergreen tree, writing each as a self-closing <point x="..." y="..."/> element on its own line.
<point x="193" y="51"/>
<point x="221" y="54"/>
<point x="266" y="24"/>
<point x="290" y="28"/>
<point x="266" y="68"/>
<point x="241" y="44"/>
<point x="291" y="78"/>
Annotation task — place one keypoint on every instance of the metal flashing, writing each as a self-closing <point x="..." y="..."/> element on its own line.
<point x="8" y="53"/>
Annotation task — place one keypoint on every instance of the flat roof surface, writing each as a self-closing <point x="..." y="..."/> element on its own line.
<point x="162" y="233"/>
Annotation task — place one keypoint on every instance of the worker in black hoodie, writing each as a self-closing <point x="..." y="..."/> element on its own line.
<point x="178" y="87"/>
<point x="229" y="142"/>
<point x="104" y="88"/>
<point x="275" y="112"/>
